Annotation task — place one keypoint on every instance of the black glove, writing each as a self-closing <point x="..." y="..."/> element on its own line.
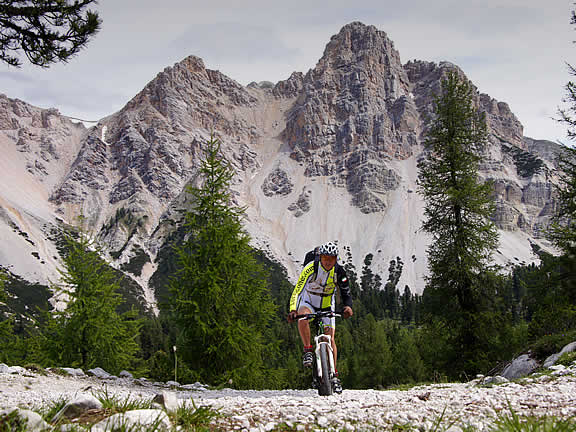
<point x="292" y="316"/>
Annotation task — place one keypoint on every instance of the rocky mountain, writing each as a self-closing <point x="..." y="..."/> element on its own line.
<point x="330" y="154"/>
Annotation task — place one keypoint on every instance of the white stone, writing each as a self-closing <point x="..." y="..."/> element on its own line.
<point x="135" y="419"/>
<point x="34" y="420"/>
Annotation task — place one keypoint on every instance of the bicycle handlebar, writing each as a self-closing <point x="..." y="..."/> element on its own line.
<point x="320" y="314"/>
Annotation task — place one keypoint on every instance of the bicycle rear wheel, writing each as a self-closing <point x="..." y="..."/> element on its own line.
<point x="324" y="382"/>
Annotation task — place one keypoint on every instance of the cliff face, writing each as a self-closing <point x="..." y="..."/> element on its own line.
<point x="330" y="154"/>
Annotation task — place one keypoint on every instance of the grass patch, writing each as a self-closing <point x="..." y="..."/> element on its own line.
<point x="49" y="410"/>
<point x="514" y="423"/>
<point x="567" y="359"/>
<point x="12" y="422"/>
<point x="194" y="418"/>
<point x="115" y="404"/>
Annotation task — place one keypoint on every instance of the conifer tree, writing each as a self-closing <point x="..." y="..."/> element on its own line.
<point x="89" y="332"/>
<point x="46" y="31"/>
<point x="457" y="213"/>
<point x="219" y="295"/>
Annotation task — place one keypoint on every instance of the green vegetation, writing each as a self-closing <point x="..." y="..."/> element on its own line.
<point x="137" y="261"/>
<point x="527" y="164"/>
<point x="89" y="332"/>
<point x="219" y="297"/>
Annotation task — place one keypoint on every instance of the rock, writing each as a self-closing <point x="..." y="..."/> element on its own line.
<point x="5" y="369"/>
<point x="125" y="374"/>
<point x="74" y="372"/>
<point x="302" y="205"/>
<point x="33" y="421"/>
<point x="76" y="407"/>
<point x="147" y="419"/>
<point x="99" y="373"/>
<point x="495" y="380"/>
<point x="277" y="183"/>
<point x="571" y="347"/>
<point x="195" y="387"/>
<point x="519" y="367"/>
<point x="168" y="400"/>
<point x="172" y="384"/>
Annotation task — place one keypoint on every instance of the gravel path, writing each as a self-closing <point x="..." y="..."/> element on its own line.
<point x="464" y="404"/>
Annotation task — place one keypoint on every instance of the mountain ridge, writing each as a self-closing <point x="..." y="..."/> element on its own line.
<point x="329" y="154"/>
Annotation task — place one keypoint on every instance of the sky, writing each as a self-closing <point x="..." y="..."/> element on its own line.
<point x="514" y="50"/>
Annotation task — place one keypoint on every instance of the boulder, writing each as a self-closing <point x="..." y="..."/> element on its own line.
<point x="520" y="366"/>
<point x="5" y="369"/>
<point x="495" y="380"/>
<point x="34" y="421"/>
<point x="168" y="400"/>
<point x="146" y="419"/>
<point x="125" y="374"/>
<point x="74" y="372"/>
<point x="99" y="373"/>
<point x="76" y="407"/>
<point x="554" y="357"/>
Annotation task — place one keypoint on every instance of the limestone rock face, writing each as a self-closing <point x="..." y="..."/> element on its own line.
<point x="356" y="100"/>
<point x="326" y="154"/>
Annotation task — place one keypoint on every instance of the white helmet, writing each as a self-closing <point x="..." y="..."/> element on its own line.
<point x="328" y="249"/>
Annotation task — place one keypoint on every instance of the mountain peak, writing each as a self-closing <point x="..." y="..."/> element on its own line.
<point x="355" y="40"/>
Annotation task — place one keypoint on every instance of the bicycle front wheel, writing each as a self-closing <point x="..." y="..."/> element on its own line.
<point x="324" y="382"/>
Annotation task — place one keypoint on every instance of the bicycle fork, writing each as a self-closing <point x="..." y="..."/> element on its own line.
<point x="320" y="340"/>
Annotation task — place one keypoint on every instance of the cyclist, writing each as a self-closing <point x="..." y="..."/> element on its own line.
<point x="315" y="290"/>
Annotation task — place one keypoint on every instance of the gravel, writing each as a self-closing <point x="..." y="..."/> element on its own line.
<point x="250" y="410"/>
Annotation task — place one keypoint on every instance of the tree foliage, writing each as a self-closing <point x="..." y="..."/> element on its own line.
<point x="219" y="295"/>
<point x="46" y="31"/>
<point x="90" y="332"/>
<point x="457" y="215"/>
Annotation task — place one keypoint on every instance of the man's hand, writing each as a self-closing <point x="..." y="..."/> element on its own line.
<point x="292" y="316"/>
<point x="347" y="312"/>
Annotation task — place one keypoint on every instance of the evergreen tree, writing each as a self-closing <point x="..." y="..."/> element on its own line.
<point x="457" y="213"/>
<point x="219" y="297"/>
<point x="46" y="31"/>
<point x="5" y="322"/>
<point x="89" y="332"/>
<point x="372" y="361"/>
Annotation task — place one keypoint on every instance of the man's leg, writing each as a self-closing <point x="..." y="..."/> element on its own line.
<point x="304" y="330"/>
<point x="304" y="326"/>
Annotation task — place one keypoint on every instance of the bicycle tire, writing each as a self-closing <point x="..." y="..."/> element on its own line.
<point x="324" y="382"/>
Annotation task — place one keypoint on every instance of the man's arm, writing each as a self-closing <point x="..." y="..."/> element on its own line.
<point x="344" y="286"/>
<point x="306" y="272"/>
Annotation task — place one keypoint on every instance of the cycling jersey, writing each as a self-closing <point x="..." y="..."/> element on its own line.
<point x="317" y="293"/>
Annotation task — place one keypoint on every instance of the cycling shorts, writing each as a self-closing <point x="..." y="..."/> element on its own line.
<point x="314" y="303"/>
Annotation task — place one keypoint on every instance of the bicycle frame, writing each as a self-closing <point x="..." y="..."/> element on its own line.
<point x="324" y="363"/>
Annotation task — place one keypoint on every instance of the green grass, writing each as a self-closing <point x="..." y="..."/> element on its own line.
<point x="12" y="423"/>
<point x="49" y="410"/>
<point x="512" y="422"/>
<point x="116" y="404"/>
<point x="196" y="419"/>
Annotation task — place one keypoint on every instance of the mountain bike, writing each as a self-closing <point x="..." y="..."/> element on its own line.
<point x="323" y="368"/>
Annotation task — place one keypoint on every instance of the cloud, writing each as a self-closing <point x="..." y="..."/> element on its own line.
<point x="233" y="41"/>
<point x="19" y="77"/>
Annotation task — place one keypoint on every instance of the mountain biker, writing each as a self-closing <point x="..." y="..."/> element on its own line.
<point x="314" y="291"/>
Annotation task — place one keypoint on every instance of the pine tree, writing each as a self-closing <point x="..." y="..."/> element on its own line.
<point x="219" y="295"/>
<point x="46" y="31"/>
<point x="457" y="213"/>
<point x="5" y="322"/>
<point x="89" y="332"/>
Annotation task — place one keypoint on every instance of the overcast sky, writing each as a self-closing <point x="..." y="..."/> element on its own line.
<point x="514" y="50"/>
